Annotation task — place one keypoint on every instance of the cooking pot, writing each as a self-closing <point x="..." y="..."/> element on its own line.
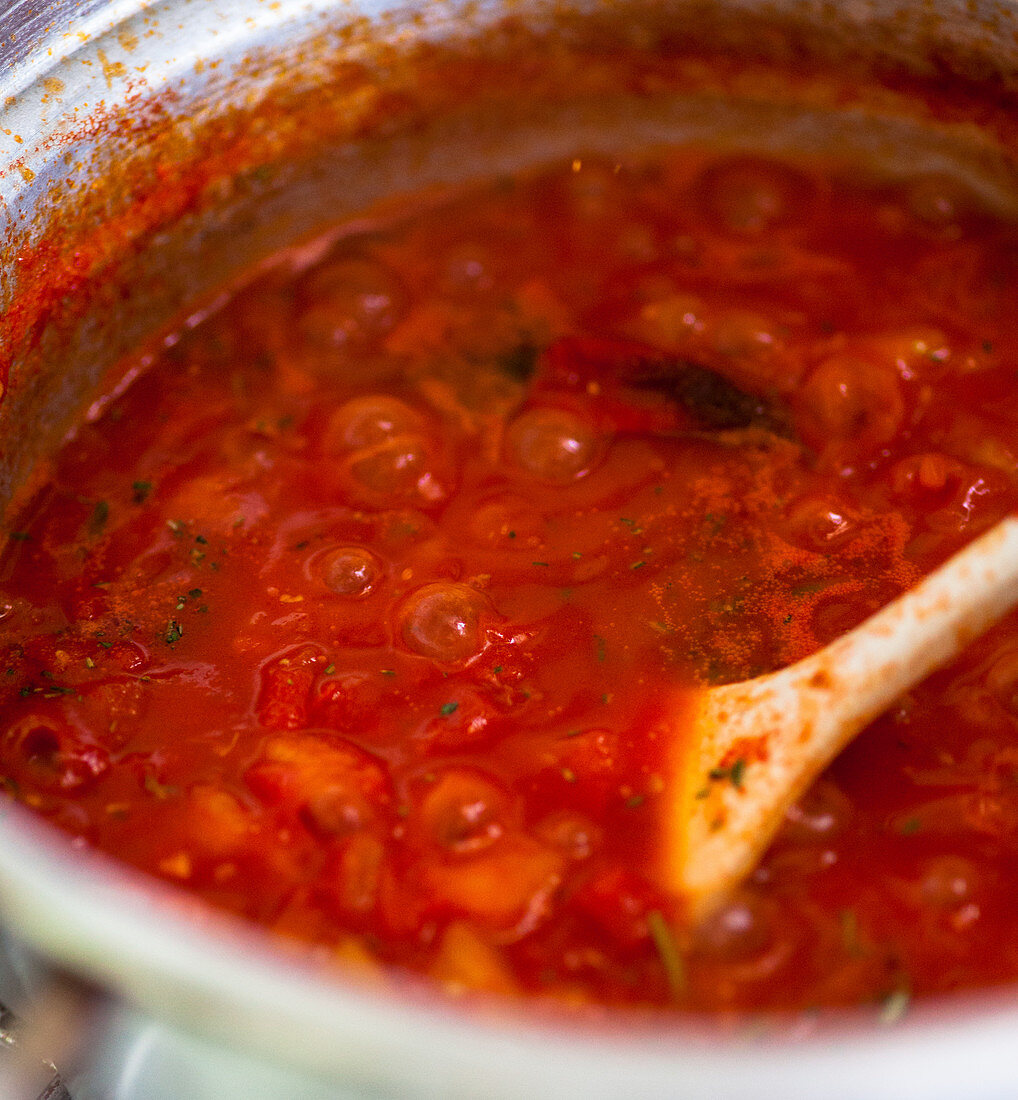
<point x="151" y="151"/>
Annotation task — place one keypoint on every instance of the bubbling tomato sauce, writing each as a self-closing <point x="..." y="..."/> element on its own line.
<point x="368" y="609"/>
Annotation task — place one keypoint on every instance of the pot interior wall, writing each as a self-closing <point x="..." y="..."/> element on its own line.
<point x="124" y="217"/>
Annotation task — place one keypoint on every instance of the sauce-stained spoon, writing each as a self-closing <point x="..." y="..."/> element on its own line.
<point x="751" y="749"/>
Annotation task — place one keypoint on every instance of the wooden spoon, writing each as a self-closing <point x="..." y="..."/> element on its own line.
<point x="751" y="749"/>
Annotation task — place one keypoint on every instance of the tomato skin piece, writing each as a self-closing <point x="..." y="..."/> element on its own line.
<point x="349" y="882"/>
<point x="474" y="721"/>
<point x="851" y="405"/>
<point x="505" y="885"/>
<point x="352" y="572"/>
<point x="582" y="771"/>
<point x="445" y="622"/>
<point x="347" y="701"/>
<point x="467" y="961"/>
<point x="322" y="778"/>
<point x="286" y="683"/>
<point x="217" y="823"/>
<point x="552" y="445"/>
<point x="748" y="196"/>
<point x="620" y="902"/>
<point x="634" y="388"/>
<point x="576" y="364"/>
<point x="349" y="304"/>
<point x="459" y="812"/>
<point x="370" y="420"/>
<point x="46" y="750"/>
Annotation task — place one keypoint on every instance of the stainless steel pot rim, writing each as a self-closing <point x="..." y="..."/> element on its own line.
<point x="215" y="979"/>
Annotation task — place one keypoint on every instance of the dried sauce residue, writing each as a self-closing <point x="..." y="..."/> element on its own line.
<point x="775" y="578"/>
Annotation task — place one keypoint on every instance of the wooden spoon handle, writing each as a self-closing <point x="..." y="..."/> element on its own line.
<point x="754" y="747"/>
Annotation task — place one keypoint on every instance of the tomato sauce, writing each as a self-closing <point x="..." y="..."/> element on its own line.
<point x="364" y="605"/>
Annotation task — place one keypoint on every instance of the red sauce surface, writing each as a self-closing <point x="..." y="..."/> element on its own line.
<point x="359" y="612"/>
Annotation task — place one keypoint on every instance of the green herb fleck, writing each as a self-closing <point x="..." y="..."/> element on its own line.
<point x="735" y="774"/>
<point x="738" y="772"/>
<point x="848" y="922"/>
<point x="330" y="669"/>
<point x="910" y="826"/>
<point x="518" y="362"/>
<point x="141" y="490"/>
<point x="174" y="632"/>
<point x="811" y="588"/>
<point x="56" y="690"/>
<point x="100" y="514"/>
<point x="449" y="708"/>
<point x="668" y="952"/>
<point x="160" y="790"/>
